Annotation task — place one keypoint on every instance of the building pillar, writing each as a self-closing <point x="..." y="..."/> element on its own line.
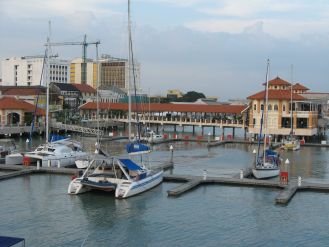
<point x="213" y="130"/>
<point x="193" y="129"/>
<point x="233" y="132"/>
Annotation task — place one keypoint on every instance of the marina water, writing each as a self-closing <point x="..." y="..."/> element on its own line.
<point x="38" y="208"/>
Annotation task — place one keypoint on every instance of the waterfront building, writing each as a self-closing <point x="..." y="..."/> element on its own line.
<point x="18" y="112"/>
<point x="113" y="72"/>
<point x="281" y="100"/>
<point x="27" y="71"/>
<point x="87" y="92"/>
<point x="69" y="95"/>
<point x="30" y="94"/>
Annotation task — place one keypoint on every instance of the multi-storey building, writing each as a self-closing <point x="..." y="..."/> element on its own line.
<point x="28" y="71"/>
<point x="285" y="103"/>
<point x="113" y="72"/>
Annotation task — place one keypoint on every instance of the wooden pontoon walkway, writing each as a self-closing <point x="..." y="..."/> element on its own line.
<point x="288" y="191"/>
<point x="188" y="182"/>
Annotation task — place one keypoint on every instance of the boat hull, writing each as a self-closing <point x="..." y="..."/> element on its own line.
<point x="14" y="159"/>
<point x="127" y="189"/>
<point x="76" y="187"/>
<point x="261" y="173"/>
<point x="291" y="146"/>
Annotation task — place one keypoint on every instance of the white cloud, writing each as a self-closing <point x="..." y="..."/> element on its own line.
<point x="289" y="29"/>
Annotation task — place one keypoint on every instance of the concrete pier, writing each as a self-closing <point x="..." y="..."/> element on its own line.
<point x="285" y="195"/>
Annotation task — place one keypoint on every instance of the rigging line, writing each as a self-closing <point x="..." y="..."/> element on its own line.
<point x="38" y="95"/>
<point x="262" y="117"/>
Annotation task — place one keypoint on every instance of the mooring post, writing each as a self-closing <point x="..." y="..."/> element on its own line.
<point x="204" y="174"/>
<point x="241" y="173"/>
<point x="48" y="163"/>
<point x="58" y="163"/>
<point x="299" y="181"/>
<point x="171" y="148"/>
<point x="209" y="134"/>
<point x="38" y="164"/>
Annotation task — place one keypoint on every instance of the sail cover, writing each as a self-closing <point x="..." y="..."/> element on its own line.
<point x="136" y="147"/>
<point x="10" y="241"/>
<point x="131" y="165"/>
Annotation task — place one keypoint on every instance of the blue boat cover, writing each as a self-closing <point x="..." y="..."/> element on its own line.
<point x="269" y="152"/>
<point x="54" y="138"/>
<point x="131" y="165"/>
<point x="136" y="147"/>
<point x="9" y="241"/>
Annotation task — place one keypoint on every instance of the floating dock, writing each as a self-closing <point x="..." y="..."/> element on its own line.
<point x="188" y="182"/>
<point x="286" y="194"/>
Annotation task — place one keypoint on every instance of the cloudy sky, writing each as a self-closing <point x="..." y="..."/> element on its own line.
<point x="218" y="47"/>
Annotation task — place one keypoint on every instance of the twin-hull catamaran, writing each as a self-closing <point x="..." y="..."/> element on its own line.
<point x="123" y="176"/>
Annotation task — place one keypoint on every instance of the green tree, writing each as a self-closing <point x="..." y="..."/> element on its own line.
<point x="191" y="96"/>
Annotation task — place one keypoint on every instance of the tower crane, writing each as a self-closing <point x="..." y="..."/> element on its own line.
<point x="84" y="54"/>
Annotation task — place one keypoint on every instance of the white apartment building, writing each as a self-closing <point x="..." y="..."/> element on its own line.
<point x="27" y="71"/>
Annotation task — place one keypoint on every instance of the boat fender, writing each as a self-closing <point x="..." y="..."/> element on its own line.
<point x="73" y="177"/>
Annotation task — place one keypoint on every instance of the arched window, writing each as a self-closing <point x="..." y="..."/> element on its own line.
<point x="283" y="107"/>
<point x="255" y="107"/>
<point x="269" y="107"/>
<point x="276" y="107"/>
<point x="262" y="107"/>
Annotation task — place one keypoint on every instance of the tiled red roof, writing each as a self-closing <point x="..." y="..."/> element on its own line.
<point x="155" y="107"/>
<point x="23" y="91"/>
<point x="11" y="103"/>
<point x="277" y="94"/>
<point x="298" y="86"/>
<point x="278" y="82"/>
<point x="84" y="88"/>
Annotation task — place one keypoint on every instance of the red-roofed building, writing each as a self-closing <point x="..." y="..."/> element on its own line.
<point x="305" y="112"/>
<point x="88" y="93"/>
<point x="18" y="112"/>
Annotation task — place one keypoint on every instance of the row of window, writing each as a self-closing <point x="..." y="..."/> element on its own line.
<point x="269" y="107"/>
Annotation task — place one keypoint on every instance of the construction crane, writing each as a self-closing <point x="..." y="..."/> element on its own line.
<point x="84" y="54"/>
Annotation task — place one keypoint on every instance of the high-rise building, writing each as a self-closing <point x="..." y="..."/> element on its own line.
<point x="27" y="71"/>
<point x="113" y="72"/>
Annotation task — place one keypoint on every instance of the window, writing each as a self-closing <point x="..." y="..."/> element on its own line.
<point x="276" y="108"/>
<point x="283" y="107"/>
<point x="269" y="107"/>
<point x="255" y="107"/>
<point x="262" y="107"/>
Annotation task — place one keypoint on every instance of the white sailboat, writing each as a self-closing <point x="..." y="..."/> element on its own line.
<point x="267" y="161"/>
<point x="59" y="153"/>
<point x="292" y="143"/>
<point x="122" y="175"/>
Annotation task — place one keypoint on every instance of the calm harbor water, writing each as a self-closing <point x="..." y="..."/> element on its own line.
<point x="38" y="208"/>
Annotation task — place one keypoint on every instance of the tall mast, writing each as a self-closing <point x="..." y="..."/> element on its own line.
<point x="97" y="100"/>
<point x="129" y="72"/>
<point x="291" y="111"/>
<point x="266" y="107"/>
<point x="48" y="80"/>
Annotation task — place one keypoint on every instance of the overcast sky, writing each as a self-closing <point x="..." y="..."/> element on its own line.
<point x="218" y="47"/>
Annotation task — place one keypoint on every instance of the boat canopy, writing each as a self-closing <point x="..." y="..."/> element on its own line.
<point x="55" y="138"/>
<point x="269" y="152"/>
<point x="10" y="241"/>
<point x="131" y="165"/>
<point x="136" y="147"/>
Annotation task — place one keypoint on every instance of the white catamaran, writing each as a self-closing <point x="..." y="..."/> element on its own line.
<point x="59" y="153"/>
<point x="124" y="176"/>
